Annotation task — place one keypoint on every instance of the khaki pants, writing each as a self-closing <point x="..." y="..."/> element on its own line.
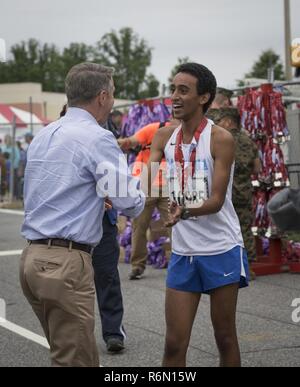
<point x="140" y="226"/>
<point x="59" y="285"/>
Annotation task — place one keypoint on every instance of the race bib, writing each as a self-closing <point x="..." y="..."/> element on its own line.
<point x="196" y="190"/>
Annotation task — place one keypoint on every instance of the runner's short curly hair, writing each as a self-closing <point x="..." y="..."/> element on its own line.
<point x="207" y="82"/>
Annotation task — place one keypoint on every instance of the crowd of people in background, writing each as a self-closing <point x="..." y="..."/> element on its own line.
<point x="16" y="156"/>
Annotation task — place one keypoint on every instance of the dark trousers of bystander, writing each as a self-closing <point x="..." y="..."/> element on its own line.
<point x="107" y="281"/>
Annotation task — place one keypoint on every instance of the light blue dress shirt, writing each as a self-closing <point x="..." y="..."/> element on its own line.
<point x="66" y="161"/>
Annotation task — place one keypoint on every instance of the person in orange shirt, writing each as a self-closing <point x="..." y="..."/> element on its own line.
<point x="157" y="199"/>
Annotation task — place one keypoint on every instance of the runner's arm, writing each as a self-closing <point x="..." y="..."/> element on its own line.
<point x="223" y="152"/>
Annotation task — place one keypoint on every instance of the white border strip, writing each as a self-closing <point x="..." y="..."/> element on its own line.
<point x="12" y="212"/>
<point x="24" y="333"/>
<point x="10" y="253"/>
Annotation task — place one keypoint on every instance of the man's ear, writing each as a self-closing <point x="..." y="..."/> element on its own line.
<point x="204" y="98"/>
<point x="102" y="97"/>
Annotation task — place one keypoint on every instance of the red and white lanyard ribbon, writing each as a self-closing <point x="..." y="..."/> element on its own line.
<point x="179" y="157"/>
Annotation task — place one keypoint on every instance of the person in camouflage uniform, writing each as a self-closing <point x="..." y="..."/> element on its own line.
<point x="222" y="99"/>
<point x="247" y="162"/>
<point x="213" y="114"/>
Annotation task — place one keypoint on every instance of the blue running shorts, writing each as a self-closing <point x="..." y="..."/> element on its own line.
<point x="203" y="274"/>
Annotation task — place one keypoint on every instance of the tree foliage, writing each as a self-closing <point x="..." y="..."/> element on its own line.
<point x="32" y="61"/>
<point x="43" y="63"/>
<point x="131" y="57"/>
<point x="266" y="60"/>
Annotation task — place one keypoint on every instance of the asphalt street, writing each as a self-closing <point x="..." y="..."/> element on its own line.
<point x="268" y="336"/>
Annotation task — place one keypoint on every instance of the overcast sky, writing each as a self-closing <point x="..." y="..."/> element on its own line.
<point x="225" y="35"/>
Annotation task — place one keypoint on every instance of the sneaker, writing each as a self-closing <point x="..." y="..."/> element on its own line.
<point x="136" y="274"/>
<point x="115" y="345"/>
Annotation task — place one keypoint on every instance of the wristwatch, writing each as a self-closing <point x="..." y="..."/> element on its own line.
<point x="185" y="215"/>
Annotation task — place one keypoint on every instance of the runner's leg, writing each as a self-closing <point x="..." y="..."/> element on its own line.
<point x="223" y="315"/>
<point x="181" y="309"/>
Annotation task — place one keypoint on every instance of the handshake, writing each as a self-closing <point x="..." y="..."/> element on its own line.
<point x="107" y="204"/>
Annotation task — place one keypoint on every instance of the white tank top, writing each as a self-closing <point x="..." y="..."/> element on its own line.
<point x="206" y="235"/>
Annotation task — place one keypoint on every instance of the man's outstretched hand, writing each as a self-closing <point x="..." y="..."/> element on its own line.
<point x="108" y="204"/>
<point x="175" y="212"/>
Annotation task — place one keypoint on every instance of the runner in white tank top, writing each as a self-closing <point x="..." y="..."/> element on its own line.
<point x="208" y="254"/>
<point x="206" y="235"/>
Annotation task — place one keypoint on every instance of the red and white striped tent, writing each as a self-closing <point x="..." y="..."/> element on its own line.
<point x="24" y="120"/>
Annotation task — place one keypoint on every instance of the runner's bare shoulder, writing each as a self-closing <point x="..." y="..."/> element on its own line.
<point x="163" y="135"/>
<point x="221" y="137"/>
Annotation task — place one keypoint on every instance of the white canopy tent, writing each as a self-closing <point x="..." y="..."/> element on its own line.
<point x="25" y="121"/>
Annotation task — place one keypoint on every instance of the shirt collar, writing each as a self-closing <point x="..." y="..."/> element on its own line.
<point x="77" y="113"/>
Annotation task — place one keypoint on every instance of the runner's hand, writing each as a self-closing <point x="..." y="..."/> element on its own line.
<point x="175" y="212"/>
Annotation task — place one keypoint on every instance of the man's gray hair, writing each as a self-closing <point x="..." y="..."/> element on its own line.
<point x="85" y="81"/>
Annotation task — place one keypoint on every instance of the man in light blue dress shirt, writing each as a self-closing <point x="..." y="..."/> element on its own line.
<point x="72" y="166"/>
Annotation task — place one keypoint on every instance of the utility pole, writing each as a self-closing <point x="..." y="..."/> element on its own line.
<point x="288" y="40"/>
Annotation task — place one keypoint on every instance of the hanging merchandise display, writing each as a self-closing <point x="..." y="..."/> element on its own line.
<point x="125" y="240"/>
<point x="156" y="254"/>
<point x="263" y="117"/>
<point x="292" y="255"/>
<point x="263" y="114"/>
<point x="157" y="257"/>
<point x="139" y="116"/>
<point x="142" y="114"/>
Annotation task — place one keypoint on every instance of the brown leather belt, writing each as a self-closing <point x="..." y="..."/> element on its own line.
<point x="63" y="243"/>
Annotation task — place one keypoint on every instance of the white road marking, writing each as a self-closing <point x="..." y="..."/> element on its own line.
<point x="10" y="253"/>
<point x="24" y="333"/>
<point x="7" y="324"/>
<point x="12" y="212"/>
